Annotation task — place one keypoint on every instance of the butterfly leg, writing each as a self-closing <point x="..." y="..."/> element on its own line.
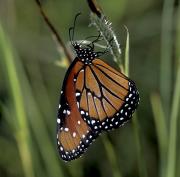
<point x="106" y="50"/>
<point x="99" y="38"/>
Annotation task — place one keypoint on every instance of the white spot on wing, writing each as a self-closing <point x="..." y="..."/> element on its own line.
<point x="95" y="127"/>
<point x="66" y="129"/>
<point x="68" y="112"/>
<point x="78" y="104"/>
<point x="74" y="134"/>
<point x="78" y="94"/>
<point x="58" y="121"/>
<point x="93" y="121"/>
<point x="82" y="112"/>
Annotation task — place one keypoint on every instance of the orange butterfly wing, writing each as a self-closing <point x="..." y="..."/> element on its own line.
<point x="94" y="97"/>
<point x="73" y="133"/>
<point x="106" y="97"/>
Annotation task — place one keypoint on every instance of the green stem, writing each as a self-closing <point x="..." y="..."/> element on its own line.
<point x="111" y="156"/>
<point x="173" y="129"/>
<point x="161" y="129"/>
<point x="127" y="53"/>
<point x="22" y="134"/>
<point x="141" y="161"/>
<point x="166" y="55"/>
<point x="43" y="139"/>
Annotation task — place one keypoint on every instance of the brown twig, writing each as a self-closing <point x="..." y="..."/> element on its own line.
<point x="95" y="8"/>
<point x="54" y="31"/>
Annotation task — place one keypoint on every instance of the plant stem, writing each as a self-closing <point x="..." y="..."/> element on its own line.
<point x="173" y="129"/>
<point x="161" y="129"/>
<point x="172" y="149"/>
<point x="140" y="158"/>
<point x="166" y="55"/>
<point x="111" y="156"/>
<point x="22" y="134"/>
<point x="54" y="32"/>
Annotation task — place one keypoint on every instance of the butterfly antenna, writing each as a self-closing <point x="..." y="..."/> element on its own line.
<point x="71" y="35"/>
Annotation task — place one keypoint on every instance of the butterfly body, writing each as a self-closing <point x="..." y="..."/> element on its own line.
<point x="94" y="98"/>
<point x="86" y="55"/>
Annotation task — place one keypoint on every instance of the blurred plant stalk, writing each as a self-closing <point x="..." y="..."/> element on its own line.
<point x="19" y="119"/>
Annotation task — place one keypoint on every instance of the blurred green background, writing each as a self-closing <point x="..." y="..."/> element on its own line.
<point x="31" y="75"/>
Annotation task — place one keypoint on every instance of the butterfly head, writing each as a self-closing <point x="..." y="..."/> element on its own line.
<point x="85" y="54"/>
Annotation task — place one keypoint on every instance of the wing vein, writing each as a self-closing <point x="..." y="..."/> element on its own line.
<point x="102" y="95"/>
<point x="105" y="86"/>
<point x="111" y="77"/>
<point x="111" y="71"/>
<point x="96" y="108"/>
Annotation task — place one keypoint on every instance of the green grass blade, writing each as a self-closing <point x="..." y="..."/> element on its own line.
<point x="141" y="161"/>
<point x="173" y="129"/>
<point x="174" y="118"/>
<point x="161" y="130"/>
<point x="126" y="64"/>
<point x="44" y="143"/>
<point x="166" y="55"/>
<point x="22" y="131"/>
<point x="47" y="150"/>
<point x="111" y="156"/>
<point x="140" y="157"/>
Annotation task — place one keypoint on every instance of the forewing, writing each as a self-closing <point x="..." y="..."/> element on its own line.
<point x="73" y="133"/>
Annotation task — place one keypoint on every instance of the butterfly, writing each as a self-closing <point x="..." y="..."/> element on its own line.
<point x="95" y="97"/>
